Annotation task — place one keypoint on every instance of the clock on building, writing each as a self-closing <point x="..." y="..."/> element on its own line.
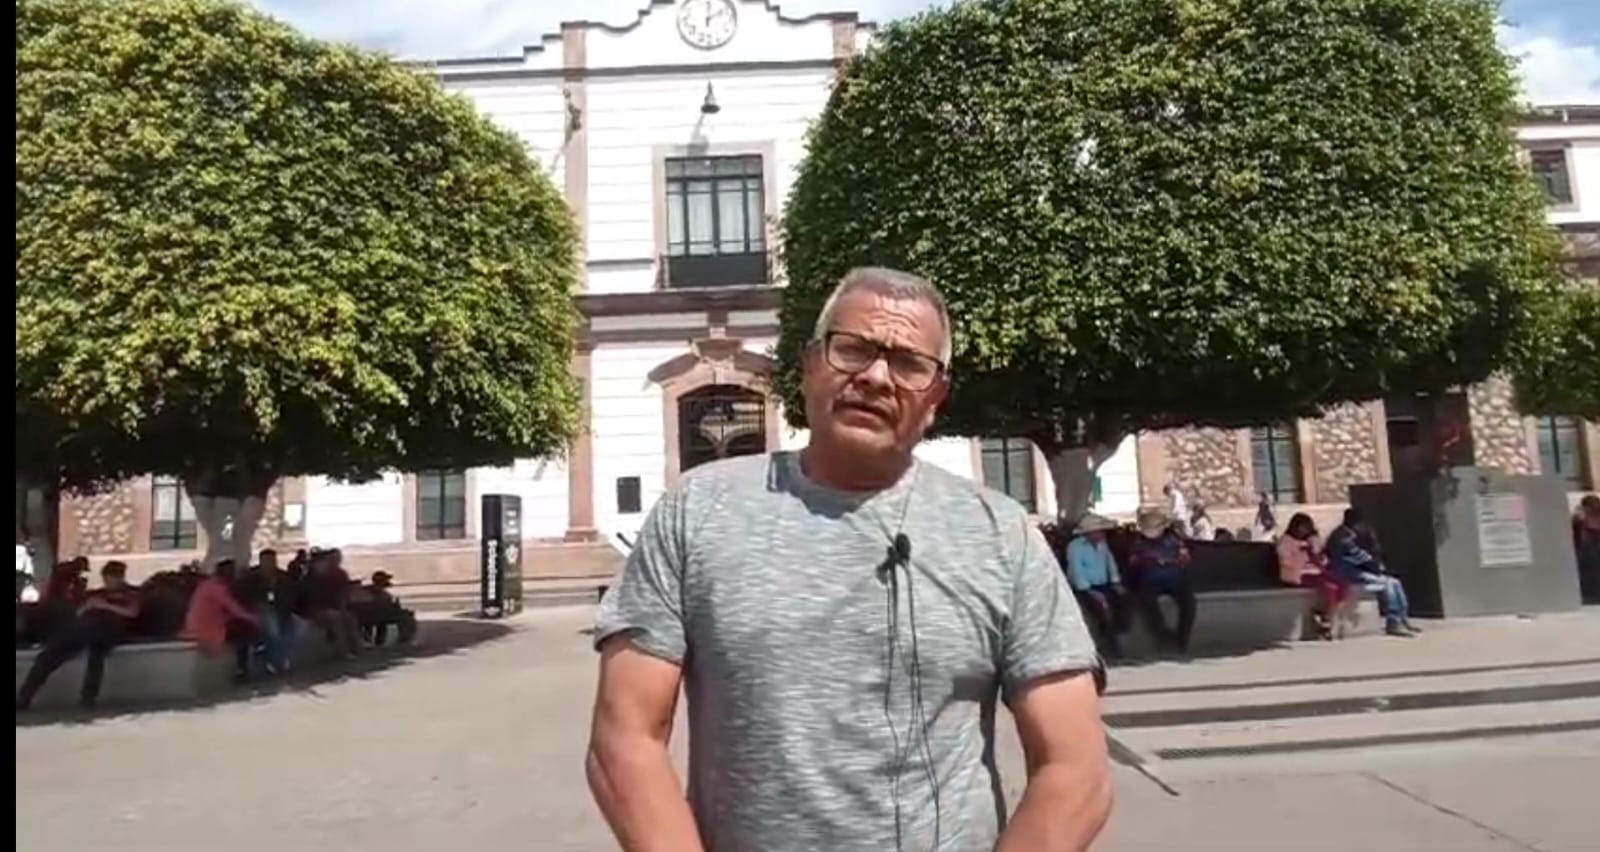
<point x="707" y="24"/>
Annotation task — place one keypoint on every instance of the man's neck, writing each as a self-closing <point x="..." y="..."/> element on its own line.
<point x="853" y="476"/>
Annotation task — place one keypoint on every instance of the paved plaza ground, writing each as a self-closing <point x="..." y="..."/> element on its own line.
<point x="476" y="741"/>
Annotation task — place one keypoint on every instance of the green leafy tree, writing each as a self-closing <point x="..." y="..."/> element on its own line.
<point x="1560" y="370"/>
<point x="1157" y="213"/>
<point x="244" y="254"/>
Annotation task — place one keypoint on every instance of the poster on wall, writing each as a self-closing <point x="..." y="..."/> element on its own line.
<point x="1503" y="531"/>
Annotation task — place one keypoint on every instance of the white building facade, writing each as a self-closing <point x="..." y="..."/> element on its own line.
<point x="674" y="138"/>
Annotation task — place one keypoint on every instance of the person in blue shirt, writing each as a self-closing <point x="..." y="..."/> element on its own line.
<point x="1355" y="558"/>
<point x="1097" y="584"/>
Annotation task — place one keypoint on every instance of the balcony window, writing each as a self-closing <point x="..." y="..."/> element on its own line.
<point x="441" y="505"/>
<point x="1560" y="450"/>
<point x="716" y="222"/>
<point x="1275" y="459"/>
<point x="172" y="521"/>
<point x="1550" y="169"/>
<point x="1008" y="468"/>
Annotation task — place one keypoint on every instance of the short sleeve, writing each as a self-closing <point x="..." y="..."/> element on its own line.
<point x="647" y="604"/>
<point x="1045" y="633"/>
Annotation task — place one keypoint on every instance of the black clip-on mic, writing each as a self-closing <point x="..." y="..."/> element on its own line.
<point x="897" y="555"/>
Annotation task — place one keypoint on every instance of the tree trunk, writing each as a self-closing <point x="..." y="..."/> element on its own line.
<point x="228" y="505"/>
<point x="1072" y="469"/>
<point x="230" y="524"/>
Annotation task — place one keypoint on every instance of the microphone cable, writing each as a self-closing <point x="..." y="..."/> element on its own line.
<point x="919" y="710"/>
<point x="892" y="618"/>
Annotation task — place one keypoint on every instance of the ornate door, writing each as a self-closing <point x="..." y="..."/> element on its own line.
<point x="718" y="422"/>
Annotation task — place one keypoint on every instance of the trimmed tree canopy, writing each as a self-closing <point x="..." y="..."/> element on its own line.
<point x="240" y="248"/>
<point x="1147" y="214"/>
<point x="1562" y="372"/>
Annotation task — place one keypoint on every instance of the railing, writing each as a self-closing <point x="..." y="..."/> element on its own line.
<point x="745" y="269"/>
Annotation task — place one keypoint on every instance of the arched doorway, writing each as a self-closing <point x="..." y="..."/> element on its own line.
<point x="719" y="422"/>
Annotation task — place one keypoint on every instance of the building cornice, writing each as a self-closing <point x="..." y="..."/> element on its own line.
<point x="1560" y="114"/>
<point x="515" y="65"/>
<point x="754" y="298"/>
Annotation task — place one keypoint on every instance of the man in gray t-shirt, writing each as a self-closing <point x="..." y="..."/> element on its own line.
<point x="843" y="621"/>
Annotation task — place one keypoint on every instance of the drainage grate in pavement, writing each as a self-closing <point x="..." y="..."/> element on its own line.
<point x="1380" y="740"/>
<point x="1357" y="704"/>
<point x="1318" y="681"/>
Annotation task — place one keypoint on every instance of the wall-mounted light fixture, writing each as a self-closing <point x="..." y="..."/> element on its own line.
<point x="709" y="105"/>
<point x="574" y="113"/>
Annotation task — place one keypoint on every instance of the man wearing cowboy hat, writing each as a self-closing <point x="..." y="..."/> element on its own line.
<point x="1161" y="560"/>
<point x="1096" y="582"/>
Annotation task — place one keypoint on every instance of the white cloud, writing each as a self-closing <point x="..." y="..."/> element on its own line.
<point x="1554" y="71"/>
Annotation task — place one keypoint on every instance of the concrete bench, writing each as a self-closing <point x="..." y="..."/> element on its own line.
<point x="1242" y="619"/>
<point x="158" y="672"/>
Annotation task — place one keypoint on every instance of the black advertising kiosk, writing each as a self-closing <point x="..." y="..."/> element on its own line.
<point x="500" y="556"/>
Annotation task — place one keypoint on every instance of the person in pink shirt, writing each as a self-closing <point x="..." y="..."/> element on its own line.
<point x="216" y="618"/>
<point x="1301" y="562"/>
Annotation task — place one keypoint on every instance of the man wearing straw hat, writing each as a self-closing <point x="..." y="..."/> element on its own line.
<point x="1096" y="582"/>
<point x="1162" y="560"/>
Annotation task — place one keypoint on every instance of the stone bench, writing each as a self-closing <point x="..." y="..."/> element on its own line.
<point x="1243" y="619"/>
<point x="158" y="672"/>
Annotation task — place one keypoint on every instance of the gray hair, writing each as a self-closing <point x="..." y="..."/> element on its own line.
<point x="893" y="284"/>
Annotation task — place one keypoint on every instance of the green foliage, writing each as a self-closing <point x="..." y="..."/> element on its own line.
<point x="1560" y="370"/>
<point x="237" y="245"/>
<point x="1150" y="213"/>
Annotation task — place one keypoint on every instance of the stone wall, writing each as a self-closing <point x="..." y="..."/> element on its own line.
<point x="1207" y="464"/>
<point x="1497" y="435"/>
<point x="1343" y="451"/>
<point x="104" y="522"/>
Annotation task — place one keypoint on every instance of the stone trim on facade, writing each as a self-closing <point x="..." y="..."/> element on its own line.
<point x="712" y="361"/>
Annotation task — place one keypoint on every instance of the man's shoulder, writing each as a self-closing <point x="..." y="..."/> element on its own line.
<point x="731" y="472"/>
<point x="958" y="496"/>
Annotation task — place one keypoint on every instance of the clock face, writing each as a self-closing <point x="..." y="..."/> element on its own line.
<point x="707" y="24"/>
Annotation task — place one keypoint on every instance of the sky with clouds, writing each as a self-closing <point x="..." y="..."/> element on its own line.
<point x="1557" y="41"/>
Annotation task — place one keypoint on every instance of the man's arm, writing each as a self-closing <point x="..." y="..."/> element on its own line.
<point x="629" y="768"/>
<point x="1068" y="797"/>
<point x="1046" y="665"/>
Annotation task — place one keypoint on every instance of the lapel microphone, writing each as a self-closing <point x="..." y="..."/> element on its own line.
<point x="898" y="555"/>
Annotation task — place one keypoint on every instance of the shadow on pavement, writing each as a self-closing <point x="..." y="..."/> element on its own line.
<point x="436" y="638"/>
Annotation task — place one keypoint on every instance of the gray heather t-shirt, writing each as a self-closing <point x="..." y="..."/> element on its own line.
<point x="770" y="591"/>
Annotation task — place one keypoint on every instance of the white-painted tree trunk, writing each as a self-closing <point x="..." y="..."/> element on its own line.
<point x="230" y="525"/>
<point x="1072" y="472"/>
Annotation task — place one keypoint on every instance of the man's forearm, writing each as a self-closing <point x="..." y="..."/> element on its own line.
<point x="641" y="796"/>
<point x="1063" y="810"/>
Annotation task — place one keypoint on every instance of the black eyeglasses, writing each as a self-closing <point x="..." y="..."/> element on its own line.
<point x="852" y="354"/>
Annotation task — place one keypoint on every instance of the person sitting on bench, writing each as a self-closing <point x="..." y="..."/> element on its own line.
<point x="100" y="623"/>
<point x="1096" y="582"/>
<point x="1160" y="560"/>
<point x="1301" y="562"/>
<point x="377" y="609"/>
<point x="1354" y="555"/>
<point x="216" y="618"/>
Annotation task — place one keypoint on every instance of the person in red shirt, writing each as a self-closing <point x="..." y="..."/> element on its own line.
<point x="216" y="618"/>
